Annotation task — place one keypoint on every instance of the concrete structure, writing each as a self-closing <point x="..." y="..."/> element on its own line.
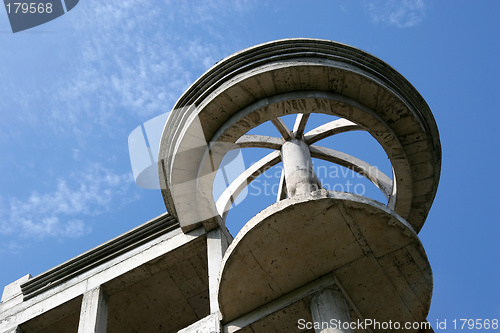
<point x="307" y="263"/>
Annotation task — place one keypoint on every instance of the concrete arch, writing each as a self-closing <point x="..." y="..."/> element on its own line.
<point x="399" y="119"/>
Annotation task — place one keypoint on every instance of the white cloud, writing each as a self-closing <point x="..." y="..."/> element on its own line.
<point x="121" y="63"/>
<point x="60" y="213"/>
<point x="401" y="13"/>
<point x="135" y="58"/>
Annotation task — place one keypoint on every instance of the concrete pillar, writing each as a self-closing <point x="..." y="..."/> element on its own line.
<point x="217" y="243"/>
<point x="298" y="168"/>
<point x="94" y="312"/>
<point x="329" y="309"/>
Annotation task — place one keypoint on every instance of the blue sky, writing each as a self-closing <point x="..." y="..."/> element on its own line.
<point x="73" y="89"/>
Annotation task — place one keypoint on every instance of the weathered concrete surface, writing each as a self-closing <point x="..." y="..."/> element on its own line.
<point x="327" y="305"/>
<point x="282" y="314"/>
<point x="284" y="320"/>
<point x="298" y="168"/>
<point x="217" y="242"/>
<point x="299" y="76"/>
<point x="12" y="293"/>
<point x="158" y="259"/>
<point x="63" y="318"/>
<point x="94" y="312"/>
<point x="209" y="324"/>
<point x="80" y="265"/>
<point x="164" y="295"/>
<point x="376" y="256"/>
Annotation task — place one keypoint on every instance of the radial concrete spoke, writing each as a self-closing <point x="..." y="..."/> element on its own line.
<point x="333" y="127"/>
<point x="235" y="188"/>
<point x="259" y="141"/>
<point x="282" y="128"/>
<point x="282" y="188"/>
<point x="372" y="173"/>
<point x="300" y="124"/>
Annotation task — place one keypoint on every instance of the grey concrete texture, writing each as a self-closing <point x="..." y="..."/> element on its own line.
<point x="329" y="304"/>
<point x="94" y="312"/>
<point x="159" y="279"/>
<point x="297" y="76"/>
<point x="376" y="256"/>
<point x="298" y="168"/>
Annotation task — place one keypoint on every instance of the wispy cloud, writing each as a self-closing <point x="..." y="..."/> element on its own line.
<point x="120" y="61"/>
<point x="400" y="13"/>
<point x="60" y="213"/>
<point x="116" y="65"/>
<point x="135" y="63"/>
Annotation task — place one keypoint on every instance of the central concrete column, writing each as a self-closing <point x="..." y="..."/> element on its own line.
<point x="329" y="309"/>
<point x="298" y="168"/>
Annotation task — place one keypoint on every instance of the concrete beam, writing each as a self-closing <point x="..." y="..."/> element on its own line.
<point x="281" y="127"/>
<point x="259" y="141"/>
<point x="77" y="266"/>
<point x="273" y="306"/>
<point x="234" y="189"/>
<point x="94" y="277"/>
<point x="209" y="324"/>
<point x="13" y="330"/>
<point x="332" y="128"/>
<point x="300" y="125"/>
<point x="94" y="312"/>
<point x="370" y="172"/>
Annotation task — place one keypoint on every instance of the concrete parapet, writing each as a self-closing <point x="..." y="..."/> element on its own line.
<point x="12" y="293"/>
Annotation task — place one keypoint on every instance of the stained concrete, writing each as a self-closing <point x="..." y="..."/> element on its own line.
<point x="162" y="264"/>
<point x="61" y="319"/>
<point x="161" y="296"/>
<point x="301" y="76"/>
<point x="327" y="305"/>
<point x="375" y="255"/>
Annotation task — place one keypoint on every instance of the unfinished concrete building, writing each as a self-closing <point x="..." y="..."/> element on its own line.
<point x="313" y="257"/>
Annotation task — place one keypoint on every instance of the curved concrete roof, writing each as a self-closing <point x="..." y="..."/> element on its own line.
<point x="297" y="76"/>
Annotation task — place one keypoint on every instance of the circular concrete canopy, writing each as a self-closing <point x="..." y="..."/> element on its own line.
<point x="375" y="255"/>
<point x="296" y="76"/>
